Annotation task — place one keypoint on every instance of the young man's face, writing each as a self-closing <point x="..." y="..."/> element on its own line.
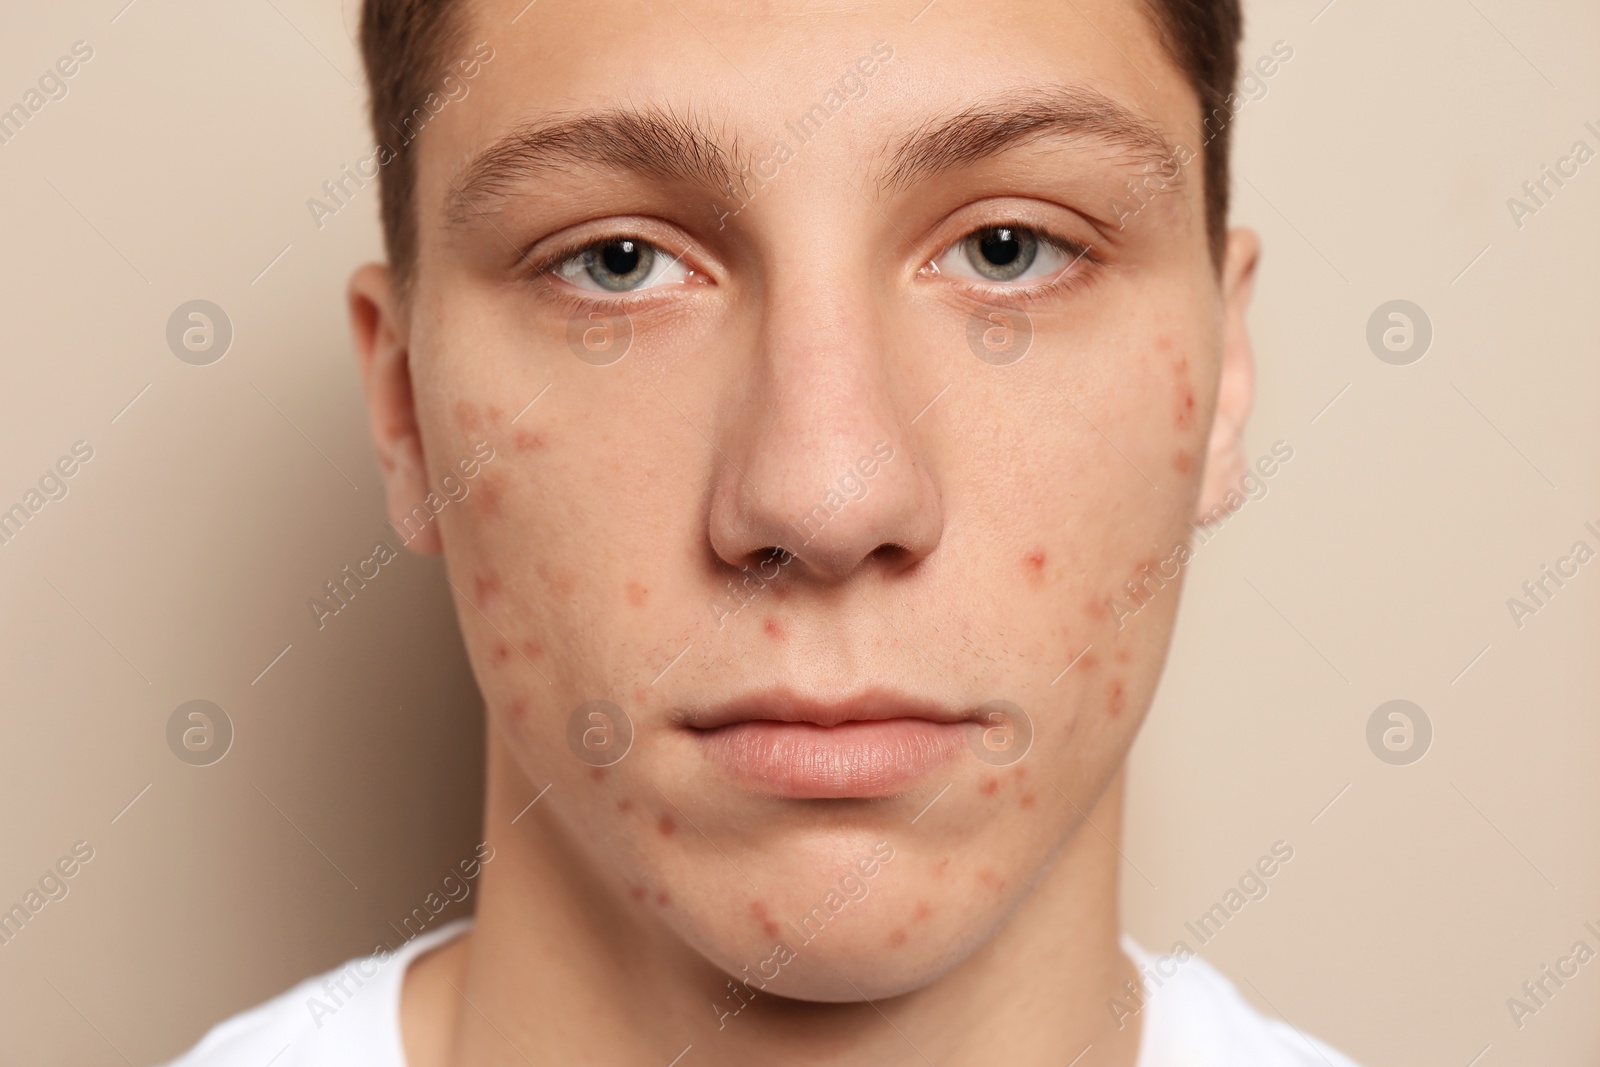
<point x="954" y="342"/>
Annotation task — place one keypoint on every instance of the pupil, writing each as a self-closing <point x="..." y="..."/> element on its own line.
<point x="1000" y="247"/>
<point x="620" y="257"/>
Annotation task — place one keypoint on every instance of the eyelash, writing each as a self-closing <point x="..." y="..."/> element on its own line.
<point x="1083" y="266"/>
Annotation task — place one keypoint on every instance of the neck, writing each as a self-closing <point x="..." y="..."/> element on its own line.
<point x="559" y="968"/>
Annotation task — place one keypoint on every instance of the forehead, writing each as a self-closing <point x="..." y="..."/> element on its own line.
<point x="753" y="69"/>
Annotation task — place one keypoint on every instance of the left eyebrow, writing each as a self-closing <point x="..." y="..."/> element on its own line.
<point x="652" y="143"/>
<point x="990" y="127"/>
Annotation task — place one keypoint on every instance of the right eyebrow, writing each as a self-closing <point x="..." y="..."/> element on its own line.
<point x="651" y="143"/>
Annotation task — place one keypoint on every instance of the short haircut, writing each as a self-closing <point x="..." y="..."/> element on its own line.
<point x="407" y="45"/>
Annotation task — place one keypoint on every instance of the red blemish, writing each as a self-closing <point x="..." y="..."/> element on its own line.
<point x="987" y="877"/>
<point x="1027" y="800"/>
<point x="636" y="892"/>
<point x="1185" y="414"/>
<point x="597" y="774"/>
<point x="560" y="582"/>
<point x="624" y="805"/>
<point x="518" y="710"/>
<point x="780" y="592"/>
<point x="494" y="412"/>
<point x="487" y="590"/>
<point x="1118" y="699"/>
<point x="529" y="441"/>
<point x="759" y="911"/>
<point x="1095" y="608"/>
<point x="1034" y="562"/>
<point x="1182" y="462"/>
<point x="897" y="939"/>
<point x="467" y="415"/>
<point x="662" y="900"/>
<point x="637" y="594"/>
<point x="989" y="786"/>
<point x="773" y="629"/>
<point x="922" y="912"/>
<point x="1022" y="772"/>
<point x="666" y="826"/>
<point x="488" y="495"/>
<point x="938" y="868"/>
<point x="1120" y="655"/>
<point x="501" y="653"/>
<point x="531" y="649"/>
<point x="1090" y="661"/>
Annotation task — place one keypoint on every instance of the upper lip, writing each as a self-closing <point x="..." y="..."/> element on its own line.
<point x="784" y="705"/>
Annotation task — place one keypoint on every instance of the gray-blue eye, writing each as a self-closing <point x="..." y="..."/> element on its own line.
<point x="1001" y="253"/>
<point x="619" y="265"/>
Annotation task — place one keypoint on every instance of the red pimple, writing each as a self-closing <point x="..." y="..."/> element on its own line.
<point x="1120" y="655"/>
<point x="636" y="892"/>
<point x="597" y="774"/>
<point x="486" y="588"/>
<point x="1182" y="462"/>
<point x="662" y="900"/>
<point x="1090" y="661"/>
<point x="989" y="786"/>
<point x="924" y="909"/>
<point x="467" y="415"/>
<point x="1034" y="564"/>
<point x="531" y="649"/>
<point x="897" y="939"/>
<point x="1118" y="699"/>
<point x="938" y="868"/>
<point x="773" y="628"/>
<point x="488" y="496"/>
<point x="1027" y="800"/>
<point x="529" y="441"/>
<point x="780" y="593"/>
<point x="517" y="710"/>
<point x="624" y="805"/>
<point x="758" y="910"/>
<point x="1096" y="609"/>
<point x="666" y="826"/>
<point x="501" y="653"/>
<point x="637" y="594"/>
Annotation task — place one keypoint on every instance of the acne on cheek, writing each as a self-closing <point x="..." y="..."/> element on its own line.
<point x="467" y="415"/>
<point x="637" y="594"/>
<point x="759" y="912"/>
<point x="1116" y="698"/>
<point x="486" y="588"/>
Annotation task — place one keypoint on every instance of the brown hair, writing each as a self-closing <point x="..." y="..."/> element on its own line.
<point x="407" y="44"/>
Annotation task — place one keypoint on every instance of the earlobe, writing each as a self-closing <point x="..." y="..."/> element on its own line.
<point x="379" y="330"/>
<point x="1225" y="462"/>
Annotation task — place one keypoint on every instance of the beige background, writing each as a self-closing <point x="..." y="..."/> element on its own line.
<point x="1377" y="166"/>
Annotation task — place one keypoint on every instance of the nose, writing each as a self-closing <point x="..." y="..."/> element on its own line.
<point x="822" y="462"/>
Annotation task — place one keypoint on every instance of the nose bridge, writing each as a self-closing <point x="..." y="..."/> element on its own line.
<point x="825" y="467"/>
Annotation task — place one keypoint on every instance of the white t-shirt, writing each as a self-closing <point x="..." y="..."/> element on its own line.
<point x="350" y="1017"/>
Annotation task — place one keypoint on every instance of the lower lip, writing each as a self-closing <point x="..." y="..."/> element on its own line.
<point x="874" y="758"/>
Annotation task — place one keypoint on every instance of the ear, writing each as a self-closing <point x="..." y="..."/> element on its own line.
<point x="376" y="320"/>
<point x="1225" y="462"/>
